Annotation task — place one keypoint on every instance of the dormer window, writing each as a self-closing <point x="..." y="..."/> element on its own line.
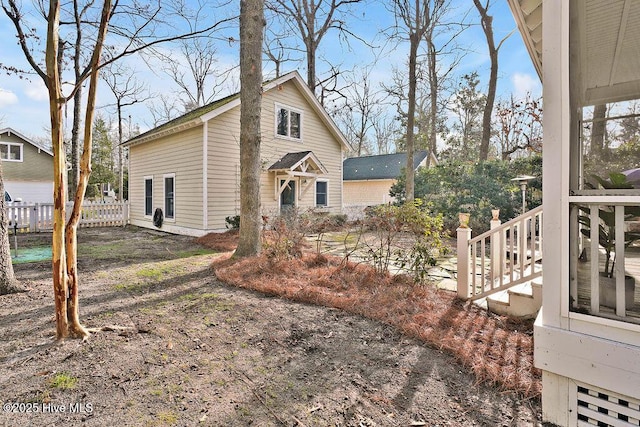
<point x="288" y="123"/>
<point x="11" y="152"/>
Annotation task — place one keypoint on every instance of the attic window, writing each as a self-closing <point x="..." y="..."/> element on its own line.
<point x="11" y="152"/>
<point x="288" y="122"/>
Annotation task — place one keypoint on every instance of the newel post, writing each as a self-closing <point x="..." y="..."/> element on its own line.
<point x="496" y="256"/>
<point x="464" y="235"/>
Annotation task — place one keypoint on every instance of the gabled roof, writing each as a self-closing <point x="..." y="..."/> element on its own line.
<point x="25" y="139"/>
<point x="291" y="161"/>
<point x="209" y="111"/>
<point x="385" y="166"/>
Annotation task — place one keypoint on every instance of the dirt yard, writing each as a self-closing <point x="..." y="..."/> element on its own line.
<point x="175" y="347"/>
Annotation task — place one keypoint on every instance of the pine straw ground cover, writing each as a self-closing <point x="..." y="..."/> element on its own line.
<point x="496" y="349"/>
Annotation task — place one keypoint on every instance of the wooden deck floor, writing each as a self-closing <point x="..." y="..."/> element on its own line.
<point x="632" y="268"/>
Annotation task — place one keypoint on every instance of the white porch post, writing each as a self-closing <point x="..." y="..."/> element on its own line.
<point x="464" y="235"/>
<point x="496" y="255"/>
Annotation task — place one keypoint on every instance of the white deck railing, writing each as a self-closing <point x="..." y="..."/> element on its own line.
<point x="504" y="256"/>
<point x="612" y="293"/>
<point x="35" y="217"/>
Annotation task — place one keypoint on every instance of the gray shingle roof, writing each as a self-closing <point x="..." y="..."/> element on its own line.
<point x="288" y="160"/>
<point x="385" y="166"/>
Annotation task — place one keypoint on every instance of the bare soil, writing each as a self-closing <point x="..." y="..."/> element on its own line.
<point x="173" y="346"/>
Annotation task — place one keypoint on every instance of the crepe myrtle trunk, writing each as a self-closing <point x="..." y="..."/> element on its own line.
<point x="251" y="33"/>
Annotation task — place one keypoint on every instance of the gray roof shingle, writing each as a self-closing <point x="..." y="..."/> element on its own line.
<point x="385" y="166"/>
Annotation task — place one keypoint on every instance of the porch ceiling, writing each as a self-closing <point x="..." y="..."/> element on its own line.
<point x="605" y="45"/>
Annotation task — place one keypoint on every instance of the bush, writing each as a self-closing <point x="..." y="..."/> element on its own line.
<point x="450" y="188"/>
<point x="285" y="238"/>
<point x="406" y="236"/>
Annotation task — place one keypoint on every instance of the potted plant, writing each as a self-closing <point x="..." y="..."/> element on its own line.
<point x="607" y="238"/>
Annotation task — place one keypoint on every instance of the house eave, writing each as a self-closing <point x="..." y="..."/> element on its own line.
<point x="25" y="139"/>
<point x="175" y="129"/>
<point x="527" y="31"/>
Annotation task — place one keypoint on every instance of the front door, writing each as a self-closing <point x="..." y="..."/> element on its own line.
<point x="288" y="195"/>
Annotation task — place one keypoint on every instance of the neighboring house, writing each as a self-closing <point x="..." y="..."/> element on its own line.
<point x="368" y="179"/>
<point x="587" y="334"/>
<point x="27" y="168"/>
<point x="189" y="168"/>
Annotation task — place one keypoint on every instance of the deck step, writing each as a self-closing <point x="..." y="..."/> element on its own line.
<point x="523" y="300"/>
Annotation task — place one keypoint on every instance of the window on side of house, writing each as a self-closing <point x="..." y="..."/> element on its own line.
<point x="169" y="196"/>
<point x="11" y="152"/>
<point x="288" y="123"/>
<point x="148" y="196"/>
<point x="322" y="193"/>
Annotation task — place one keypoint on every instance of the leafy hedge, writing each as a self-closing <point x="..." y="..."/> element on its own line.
<point x="477" y="188"/>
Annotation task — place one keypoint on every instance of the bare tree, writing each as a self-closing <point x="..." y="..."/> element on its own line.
<point x="195" y="73"/>
<point x="518" y="125"/>
<point x="251" y="34"/>
<point x="163" y="109"/>
<point x="127" y="91"/>
<point x="311" y="20"/>
<point x="486" y="21"/>
<point x="415" y="17"/>
<point x="139" y="29"/>
<point x="440" y="39"/>
<point x="275" y="51"/>
<point x="359" y="111"/>
<point x="384" y="129"/>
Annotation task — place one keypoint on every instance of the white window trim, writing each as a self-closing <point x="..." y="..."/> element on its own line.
<point x="144" y="198"/>
<point x="315" y="193"/>
<point x="164" y="193"/>
<point x="9" y="145"/>
<point x="278" y="107"/>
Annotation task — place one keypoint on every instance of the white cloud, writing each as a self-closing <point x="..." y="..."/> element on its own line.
<point x="7" y="98"/>
<point x="523" y="84"/>
<point x="37" y="91"/>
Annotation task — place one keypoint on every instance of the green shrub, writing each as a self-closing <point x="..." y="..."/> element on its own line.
<point x="450" y="188"/>
<point x="407" y="236"/>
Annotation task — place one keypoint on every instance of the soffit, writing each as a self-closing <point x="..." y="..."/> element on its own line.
<point x="605" y="45"/>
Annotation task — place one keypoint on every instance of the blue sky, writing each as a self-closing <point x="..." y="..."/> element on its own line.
<point x="24" y="102"/>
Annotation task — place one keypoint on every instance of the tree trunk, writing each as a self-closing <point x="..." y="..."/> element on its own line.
<point x="251" y="33"/>
<point x="487" y="26"/>
<point x="411" y="112"/>
<point x="311" y="66"/>
<point x="75" y="140"/>
<point x="56" y="102"/>
<point x="71" y="231"/>
<point x="598" y="126"/>
<point x="433" y="102"/>
<point x="8" y="282"/>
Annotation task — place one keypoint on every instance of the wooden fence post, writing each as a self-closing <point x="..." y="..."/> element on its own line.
<point x="464" y="235"/>
<point x="125" y="213"/>
<point x="34" y="223"/>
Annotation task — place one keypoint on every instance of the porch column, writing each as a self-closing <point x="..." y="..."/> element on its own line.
<point x="496" y="254"/>
<point x="464" y="235"/>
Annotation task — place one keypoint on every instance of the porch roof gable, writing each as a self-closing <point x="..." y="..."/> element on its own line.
<point x="303" y="162"/>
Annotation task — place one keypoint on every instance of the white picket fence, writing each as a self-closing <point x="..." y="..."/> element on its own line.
<point x="34" y="217"/>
